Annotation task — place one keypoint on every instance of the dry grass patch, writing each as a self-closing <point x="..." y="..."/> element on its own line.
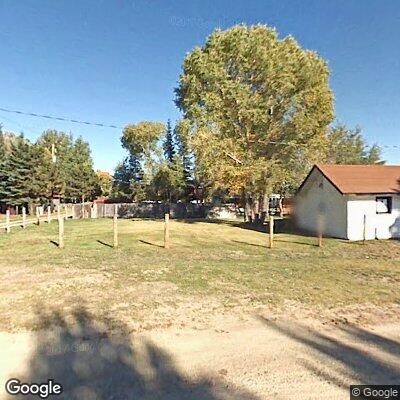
<point x="211" y="268"/>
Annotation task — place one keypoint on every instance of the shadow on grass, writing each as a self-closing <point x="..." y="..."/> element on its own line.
<point x="351" y="364"/>
<point x="151" y="244"/>
<point x="53" y="242"/>
<point x="105" y="243"/>
<point x="92" y="359"/>
<point x="296" y="242"/>
<point x="250" y="244"/>
<point x="281" y="225"/>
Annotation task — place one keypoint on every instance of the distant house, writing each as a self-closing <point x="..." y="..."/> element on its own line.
<point x="354" y="200"/>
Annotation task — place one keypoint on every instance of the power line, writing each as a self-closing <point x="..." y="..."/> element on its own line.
<point x="103" y="125"/>
<point x="383" y="146"/>
<point x="61" y="119"/>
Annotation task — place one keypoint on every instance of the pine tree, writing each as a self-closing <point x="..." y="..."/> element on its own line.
<point x="128" y="179"/>
<point x="169" y="145"/>
<point x="168" y="181"/>
<point x="185" y="160"/>
<point x="19" y="187"/>
<point x="3" y="172"/>
<point x="54" y="166"/>
<point x="81" y="181"/>
<point x="183" y="151"/>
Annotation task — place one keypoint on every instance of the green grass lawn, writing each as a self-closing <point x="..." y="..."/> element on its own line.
<point x="210" y="268"/>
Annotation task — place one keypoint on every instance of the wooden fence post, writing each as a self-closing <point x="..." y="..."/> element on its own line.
<point x="365" y="229"/>
<point x="115" y="225"/>
<point x="271" y="231"/>
<point x="37" y="216"/>
<point x="8" y="228"/>
<point x="166" y="231"/>
<point x="320" y="230"/>
<point x="93" y="211"/>
<point x="61" y="232"/>
<point x="58" y="212"/>
<point x="83" y="207"/>
<point x="48" y="214"/>
<point x="66" y="211"/>
<point x="23" y="217"/>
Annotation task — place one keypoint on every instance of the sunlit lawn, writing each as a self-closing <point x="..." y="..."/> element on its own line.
<point x="209" y="267"/>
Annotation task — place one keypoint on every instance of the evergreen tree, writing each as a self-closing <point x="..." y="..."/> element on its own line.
<point x="81" y="181"/>
<point x="169" y="145"/>
<point x="54" y="166"/>
<point x="168" y="181"/>
<point x="19" y="187"/>
<point x="180" y="138"/>
<point x="128" y="179"/>
<point x="2" y="145"/>
<point x="3" y="171"/>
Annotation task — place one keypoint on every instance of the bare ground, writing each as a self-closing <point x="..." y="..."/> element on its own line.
<point x="217" y="316"/>
<point x="235" y="357"/>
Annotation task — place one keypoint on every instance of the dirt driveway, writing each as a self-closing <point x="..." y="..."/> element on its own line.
<point x="257" y="358"/>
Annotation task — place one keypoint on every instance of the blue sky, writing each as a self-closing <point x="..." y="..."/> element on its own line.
<point x="119" y="61"/>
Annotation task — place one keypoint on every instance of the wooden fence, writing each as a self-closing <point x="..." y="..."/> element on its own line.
<point x="74" y="211"/>
<point x="23" y="220"/>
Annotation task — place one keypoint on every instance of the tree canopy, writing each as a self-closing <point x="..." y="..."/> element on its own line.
<point x="347" y="146"/>
<point x="154" y="150"/>
<point x="257" y="113"/>
<point x="55" y="166"/>
<point x="258" y="108"/>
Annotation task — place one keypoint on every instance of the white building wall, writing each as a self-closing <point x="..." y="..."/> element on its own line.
<point x="317" y="196"/>
<point x="378" y="226"/>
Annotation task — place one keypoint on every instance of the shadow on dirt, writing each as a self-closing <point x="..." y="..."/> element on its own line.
<point x="93" y="362"/>
<point x="352" y="363"/>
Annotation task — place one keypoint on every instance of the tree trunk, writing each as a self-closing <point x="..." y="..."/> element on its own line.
<point x="247" y="208"/>
<point x="264" y="207"/>
<point x="256" y="210"/>
<point x="31" y="208"/>
<point x="252" y="210"/>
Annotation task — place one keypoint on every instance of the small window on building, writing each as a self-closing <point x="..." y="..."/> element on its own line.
<point x="383" y="205"/>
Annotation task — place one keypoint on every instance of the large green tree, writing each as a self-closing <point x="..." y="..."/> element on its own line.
<point x="57" y="160"/>
<point x="347" y="146"/>
<point x="258" y="108"/>
<point x="81" y="180"/>
<point x="153" y="146"/>
<point x="141" y="139"/>
<point x="53" y="167"/>
<point x="69" y="166"/>
<point x="19" y="180"/>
